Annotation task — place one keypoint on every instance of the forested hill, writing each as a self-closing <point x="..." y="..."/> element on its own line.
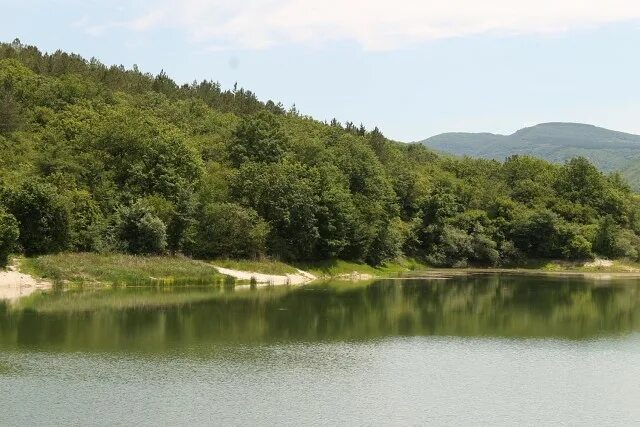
<point x="99" y="158"/>
<point x="557" y="142"/>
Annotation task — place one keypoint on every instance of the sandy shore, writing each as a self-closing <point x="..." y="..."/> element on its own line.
<point x="272" y="279"/>
<point x="14" y="285"/>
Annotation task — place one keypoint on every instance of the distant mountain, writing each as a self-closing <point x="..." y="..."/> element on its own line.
<point x="556" y="142"/>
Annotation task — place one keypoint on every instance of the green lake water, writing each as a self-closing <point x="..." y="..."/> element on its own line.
<point x="483" y="349"/>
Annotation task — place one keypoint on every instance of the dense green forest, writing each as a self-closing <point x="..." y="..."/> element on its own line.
<point x="108" y="159"/>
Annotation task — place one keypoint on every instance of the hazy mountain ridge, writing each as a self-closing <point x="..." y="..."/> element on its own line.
<point x="557" y="142"/>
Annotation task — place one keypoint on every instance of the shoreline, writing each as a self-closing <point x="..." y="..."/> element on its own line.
<point x="15" y="284"/>
<point x="603" y="274"/>
<point x="299" y="278"/>
<point x="23" y="280"/>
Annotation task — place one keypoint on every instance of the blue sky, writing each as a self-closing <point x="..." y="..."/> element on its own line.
<point x="414" y="68"/>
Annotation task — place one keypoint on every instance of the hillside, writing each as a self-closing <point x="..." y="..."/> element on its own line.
<point x="557" y="142"/>
<point x="105" y="159"/>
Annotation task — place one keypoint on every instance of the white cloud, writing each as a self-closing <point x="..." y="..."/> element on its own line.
<point x="374" y="24"/>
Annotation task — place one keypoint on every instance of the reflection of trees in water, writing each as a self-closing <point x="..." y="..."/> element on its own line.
<point x="500" y="306"/>
<point x="523" y="307"/>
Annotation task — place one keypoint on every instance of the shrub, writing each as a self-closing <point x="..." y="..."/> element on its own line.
<point x="42" y="216"/>
<point x="229" y="230"/>
<point x="453" y="248"/>
<point x="604" y="241"/>
<point x="87" y="224"/>
<point x="626" y="245"/>
<point x="509" y="254"/>
<point x="485" y="250"/>
<point x="9" y="233"/>
<point x="140" y="231"/>
<point x="388" y="244"/>
<point x="577" y="247"/>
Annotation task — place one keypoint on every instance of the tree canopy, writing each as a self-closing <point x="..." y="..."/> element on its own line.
<point x="98" y="158"/>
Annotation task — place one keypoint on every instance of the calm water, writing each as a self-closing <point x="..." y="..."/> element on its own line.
<point x="478" y="350"/>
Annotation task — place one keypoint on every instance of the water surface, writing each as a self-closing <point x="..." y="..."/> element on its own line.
<point x="474" y="350"/>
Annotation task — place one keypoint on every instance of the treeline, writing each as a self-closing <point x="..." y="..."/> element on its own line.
<point x="97" y="158"/>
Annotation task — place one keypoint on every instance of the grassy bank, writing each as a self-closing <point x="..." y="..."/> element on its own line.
<point x="119" y="269"/>
<point x="598" y="266"/>
<point x="90" y="268"/>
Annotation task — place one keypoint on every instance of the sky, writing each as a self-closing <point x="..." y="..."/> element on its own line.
<point x="414" y="68"/>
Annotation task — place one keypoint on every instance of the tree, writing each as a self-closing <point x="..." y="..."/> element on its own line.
<point x="451" y="248"/>
<point x="387" y="245"/>
<point x="42" y="216"/>
<point x="193" y="161"/>
<point x="141" y="155"/>
<point x="284" y="195"/>
<point x="9" y="233"/>
<point x="576" y="247"/>
<point x="336" y="213"/>
<point x="605" y="240"/>
<point x="535" y="233"/>
<point x="9" y="112"/>
<point x="581" y="182"/>
<point x="614" y="242"/>
<point x="258" y="139"/>
<point x="140" y="231"/>
<point x="86" y="223"/>
<point x="229" y="230"/>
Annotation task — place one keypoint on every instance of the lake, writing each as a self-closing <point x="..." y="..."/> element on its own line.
<point x="483" y="349"/>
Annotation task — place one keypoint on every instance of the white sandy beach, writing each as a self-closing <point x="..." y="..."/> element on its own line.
<point x="272" y="279"/>
<point x="14" y="285"/>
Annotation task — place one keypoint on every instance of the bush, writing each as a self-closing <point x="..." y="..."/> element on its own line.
<point x="42" y="216"/>
<point x="140" y="231"/>
<point x="509" y="254"/>
<point x="577" y="247"/>
<point x="485" y="250"/>
<point x="229" y="230"/>
<point x="87" y="224"/>
<point x="388" y="244"/>
<point x="614" y="242"/>
<point x="626" y="245"/>
<point x="605" y="236"/>
<point x="9" y="233"/>
<point x="283" y="194"/>
<point x="453" y="248"/>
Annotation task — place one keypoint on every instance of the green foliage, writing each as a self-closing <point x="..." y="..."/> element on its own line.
<point x="42" y="216"/>
<point x="336" y="213"/>
<point x="140" y="231"/>
<point x="576" y="246"/>
<point x="9" y="233"/>
<point x="388" y="243"/>
<point x="605" y="239"/>
<point x="609" y="150"/>
<point x="104" y="159"/>
<point x="285" y="196"/>
<point x="258" y="139"/>
<point x="87" y="224"/>
<point x="9" y="112"/>
<point x="229" y="230"/>
<point x="143" y="156"/>
<point x="614" y="242"/>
